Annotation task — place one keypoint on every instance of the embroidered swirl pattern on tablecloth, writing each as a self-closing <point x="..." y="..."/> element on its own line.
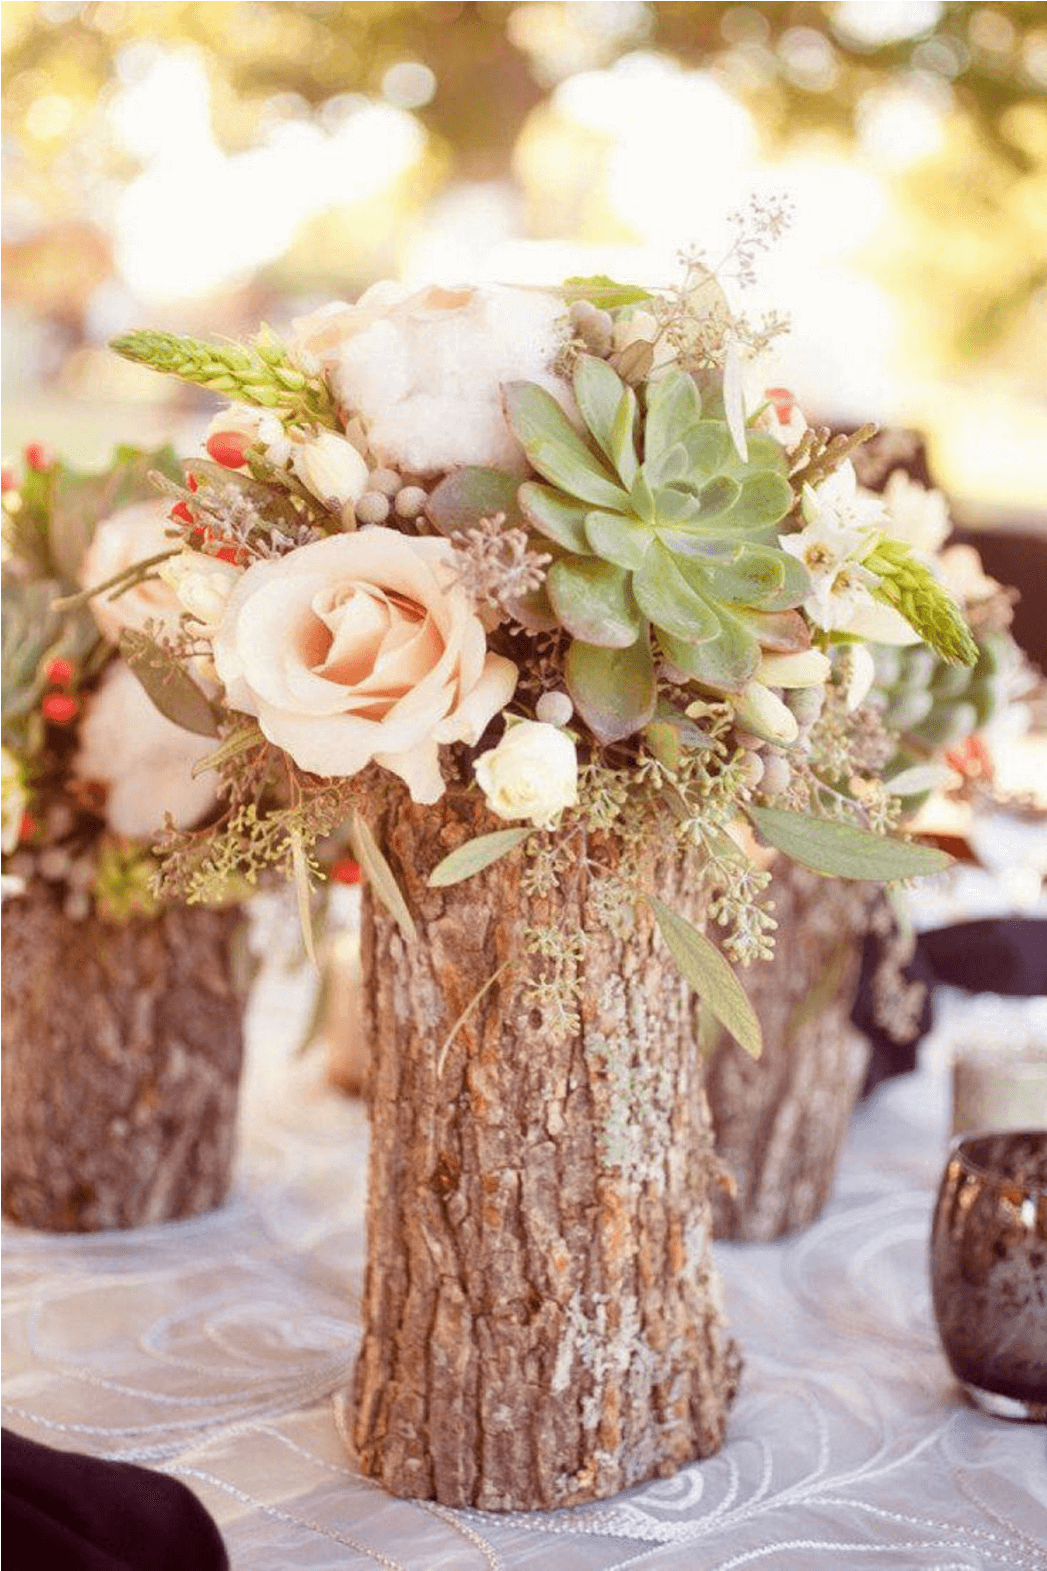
<point x="219" y="1351"/>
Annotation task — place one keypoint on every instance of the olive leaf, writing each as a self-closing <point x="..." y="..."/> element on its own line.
<point x="379" y="874"/>
<point x="704" y="967"/>
<point x="474" y="856"/>
<point x="843" y="851"/>
<point x="170" y="687"/>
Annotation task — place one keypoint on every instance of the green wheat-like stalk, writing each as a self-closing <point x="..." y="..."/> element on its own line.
<point x="930" y="610"/>
<point x="260" y="373"/>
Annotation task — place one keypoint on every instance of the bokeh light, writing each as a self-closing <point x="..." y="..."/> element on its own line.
<point x="202" y="167"/>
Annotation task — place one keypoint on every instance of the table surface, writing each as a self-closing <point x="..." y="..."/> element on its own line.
<point x="217" y="1350"/>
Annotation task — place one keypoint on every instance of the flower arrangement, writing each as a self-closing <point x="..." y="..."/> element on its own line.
<point x="90" y="764"/>
<point x="537" y="544"/>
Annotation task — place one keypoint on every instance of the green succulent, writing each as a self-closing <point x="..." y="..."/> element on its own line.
<point x="675" y="536"/>
<point x="934" y="705"/>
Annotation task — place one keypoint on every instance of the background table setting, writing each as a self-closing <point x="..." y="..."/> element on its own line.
<point x="217" y="1350"/>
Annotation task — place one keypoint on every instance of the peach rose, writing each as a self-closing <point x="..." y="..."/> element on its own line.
<point x="423" y="371"/>
<point x="120" y="541"/>
<point x="362" y="647"/>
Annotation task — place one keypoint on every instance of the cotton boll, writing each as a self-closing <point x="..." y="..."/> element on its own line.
<point x="425" y="374"/>
<point x="142" y="759"/>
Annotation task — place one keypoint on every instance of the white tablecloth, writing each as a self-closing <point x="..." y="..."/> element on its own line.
<point x="214" y="1350"/>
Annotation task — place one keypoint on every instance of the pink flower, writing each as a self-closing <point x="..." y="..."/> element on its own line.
<point x="358" y="648"/>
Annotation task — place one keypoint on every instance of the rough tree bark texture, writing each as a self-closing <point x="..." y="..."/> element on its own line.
<point x="780" y="1121"/>
<point x="541" y="1311"/>
<point x="121" y="1065"/>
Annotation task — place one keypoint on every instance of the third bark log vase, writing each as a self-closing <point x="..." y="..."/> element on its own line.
<point x="511" y="596"/>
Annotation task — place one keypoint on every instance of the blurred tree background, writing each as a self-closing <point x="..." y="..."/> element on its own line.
<point x="202" y="165"/>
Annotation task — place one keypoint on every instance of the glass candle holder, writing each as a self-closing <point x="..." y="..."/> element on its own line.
<point x="989" y="1270"/>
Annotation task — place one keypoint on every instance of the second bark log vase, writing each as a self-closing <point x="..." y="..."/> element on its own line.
<point x="122" y="1051"/>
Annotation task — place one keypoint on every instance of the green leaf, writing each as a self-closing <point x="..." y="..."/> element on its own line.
<point x="241" y="741"/>
<point x="704" y="967"/>
<point x="778" y="632"/>
<point x="794" y="585"/>
<point x="556" y="516"/>
<point x="603" y="292"/>
<point x="475" y="855"/>
<point x="734" y="399"/>
<point x="171" y="689"/>
<point x="673" y="407"/>
<point x="608" y="409"/>
<point x="669" y="601"/>
<point x="534" y="611"/>
<point x="765" y="500"/>
<point x="467" y="495"/>
<point x="754" y="579"/>
<point x="594" y="601"/>
<point x="617" y="538"/>
<point x="613" y="689"/>
<point x="379" y="874"/>
<point x="709" y="449"/>
<point x="725" y="662"/>
<point x="641" y="501"/>
<point x="623" y="438"/>
<point x="843" y="851"/>
<point x="689" y="508"/>
<point x="303" y="891"/>
<point x="663" y="740"/>
<point x="555" y="449"/>
<point x="764" y="453"/>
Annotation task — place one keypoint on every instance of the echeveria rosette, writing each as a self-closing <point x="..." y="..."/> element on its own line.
<point x="933" y="706"/>
<point x="674" y="537"/>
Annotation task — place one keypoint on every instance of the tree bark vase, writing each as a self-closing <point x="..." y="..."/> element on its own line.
<point x="541" y="1312"/>
<point x="780" y="1121"/>
<point x="122" y="1050"/>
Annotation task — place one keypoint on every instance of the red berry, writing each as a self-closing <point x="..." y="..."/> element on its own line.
<point x="192" y="482"/>
<point x="7" y="481"/>
<point x="784" y="402"/>
<point x="228" y="448"/>
<point x="181" y="512"/>
<point x="59" y="708"/>
<point x="346" y="871"/>
<point x="60" y="672"/>
<point x="37" y="456"/>
<point x="228" y="553"/>
<point x="27" y="828"/>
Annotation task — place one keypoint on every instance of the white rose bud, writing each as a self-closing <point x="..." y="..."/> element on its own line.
<point x="331" y="468"/>
<point x="554" y="708"/>
<point x="759" y="710"/>
<point x="532" y="773"/>
<point x="202" y="583"/>
<point x="809" y="668"/>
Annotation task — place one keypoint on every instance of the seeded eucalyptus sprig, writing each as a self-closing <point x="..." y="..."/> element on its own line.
<point x="261" y="372"/>
<point x="929" y="608"/>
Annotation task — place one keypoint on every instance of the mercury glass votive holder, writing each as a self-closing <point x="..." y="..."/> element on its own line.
<point x="989" y="1269"/>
